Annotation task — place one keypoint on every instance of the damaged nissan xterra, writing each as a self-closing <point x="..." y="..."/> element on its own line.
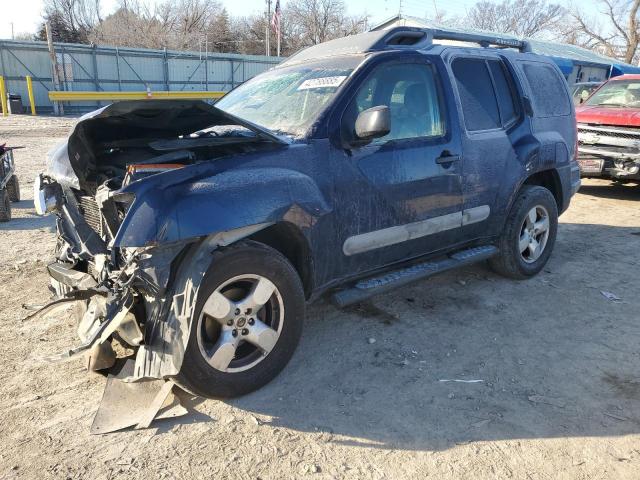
<point x="196" y="234"/>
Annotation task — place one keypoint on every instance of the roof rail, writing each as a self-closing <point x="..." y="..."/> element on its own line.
<point x="415" y="37"/>
<point x="398" y="38"/>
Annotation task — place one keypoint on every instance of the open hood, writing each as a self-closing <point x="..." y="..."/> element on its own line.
<point x="130" y="127"/>
<point x="165" y="118"/>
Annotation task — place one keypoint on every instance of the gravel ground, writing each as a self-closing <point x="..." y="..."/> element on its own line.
<point x="363" y="396"/>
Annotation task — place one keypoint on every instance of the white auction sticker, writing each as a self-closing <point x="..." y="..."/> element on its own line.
<point x="322" y="82"/>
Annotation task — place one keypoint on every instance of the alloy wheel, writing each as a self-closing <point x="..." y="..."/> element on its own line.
<point x="240" y="323"/>
<point x="534" y="233"/>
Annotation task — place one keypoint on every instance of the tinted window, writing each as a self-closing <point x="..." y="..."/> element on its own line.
<point x="476" y="94"/>
<point x="504" y="91"/>
<point x="548" y="90"/>
<point x="410" y="91"/>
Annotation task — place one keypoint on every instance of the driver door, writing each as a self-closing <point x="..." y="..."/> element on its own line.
<point x="402" y="193"/>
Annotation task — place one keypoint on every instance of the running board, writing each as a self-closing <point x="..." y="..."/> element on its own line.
<point x="388" y="281"/>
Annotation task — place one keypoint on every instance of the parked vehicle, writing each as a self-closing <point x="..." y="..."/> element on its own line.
<point x="581" y="91"/>
<point x="198" y="233"/>
<point x="608" y="131"/>
<point x="9" y="185"/>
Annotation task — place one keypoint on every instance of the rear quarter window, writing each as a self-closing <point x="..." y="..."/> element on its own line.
<point x="548" y="89"/>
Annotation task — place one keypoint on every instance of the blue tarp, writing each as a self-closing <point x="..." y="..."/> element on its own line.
<point x="568" y="55"/>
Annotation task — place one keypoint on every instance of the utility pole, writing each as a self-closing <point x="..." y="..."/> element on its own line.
<point x="12" y="36"/>
<point x="266" y="29"/>
<point x="58" y="109"/>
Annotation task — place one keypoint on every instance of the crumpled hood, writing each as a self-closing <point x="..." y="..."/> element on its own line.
<point x="615" y="116"/>
<point x="164" y="118"/>
<point x="137" y="121"/>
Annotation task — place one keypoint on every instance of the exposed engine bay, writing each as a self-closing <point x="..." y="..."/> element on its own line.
<point x="128" y="141"/>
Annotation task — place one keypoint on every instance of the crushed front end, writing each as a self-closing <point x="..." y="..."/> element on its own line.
<point x="122" y="294"/>
<point x="130" y="263"/>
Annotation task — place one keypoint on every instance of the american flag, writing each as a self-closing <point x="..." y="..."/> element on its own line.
<point x="277" y="16"/>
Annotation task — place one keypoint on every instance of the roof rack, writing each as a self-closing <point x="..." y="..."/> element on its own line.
<point x="423" y="37"/>
<point x="398" y="38"/>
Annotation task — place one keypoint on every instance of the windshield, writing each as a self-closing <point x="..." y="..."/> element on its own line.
<point x="619" y="93"/>
<point x="288" y="100"/>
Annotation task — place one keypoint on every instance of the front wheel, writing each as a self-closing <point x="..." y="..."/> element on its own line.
<point x="247" y="322"/>
<point x="529" y="234"/>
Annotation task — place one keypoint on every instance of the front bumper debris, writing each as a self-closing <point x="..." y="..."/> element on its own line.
<point x="128" y="399"/>
<point x="126" y="404"/>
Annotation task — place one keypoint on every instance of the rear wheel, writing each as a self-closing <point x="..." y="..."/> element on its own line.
<point x="13" y="188"/>
<point x="5" y="206"/>
<point x="247" y="322"/>
<point x="529" y="234"/>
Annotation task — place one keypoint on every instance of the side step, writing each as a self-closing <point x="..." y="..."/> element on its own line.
<point x="388" y="281"/>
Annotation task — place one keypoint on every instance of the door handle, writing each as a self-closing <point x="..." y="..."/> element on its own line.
<point x="447" y="159"/>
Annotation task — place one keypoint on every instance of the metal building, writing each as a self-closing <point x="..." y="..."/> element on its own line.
<point x="93" y="68"/>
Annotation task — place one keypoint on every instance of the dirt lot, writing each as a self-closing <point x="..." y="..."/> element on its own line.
<point x="559" y="364"/>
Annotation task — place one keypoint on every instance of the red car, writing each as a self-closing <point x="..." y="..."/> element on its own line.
<point x="609" y="130"/>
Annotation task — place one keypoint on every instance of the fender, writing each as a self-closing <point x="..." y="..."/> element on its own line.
<point x="197" y="201"/>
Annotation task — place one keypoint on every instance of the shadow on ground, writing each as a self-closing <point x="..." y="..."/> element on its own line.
<point x="31" y="221"/>
<point x="615" y="191"/>
<point x="555" y="357"/>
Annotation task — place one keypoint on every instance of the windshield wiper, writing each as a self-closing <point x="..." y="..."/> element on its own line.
<point x="611" y="105"/>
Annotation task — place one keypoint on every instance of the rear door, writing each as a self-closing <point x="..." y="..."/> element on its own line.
<point x="491" y="117"/>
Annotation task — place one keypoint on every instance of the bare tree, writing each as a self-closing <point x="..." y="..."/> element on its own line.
<point x="72" y="20"/>
<point x="181" y="25"/>
<point x="523" y="18"/>
<point x="133" y="24"/>
<point x="316" y="21"/>
<point x="249" y="34"/>
<point x="615" y="32"/>
<point x="205" y="24"/>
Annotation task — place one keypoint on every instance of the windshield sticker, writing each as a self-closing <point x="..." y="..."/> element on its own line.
<point x="322" y="82"/>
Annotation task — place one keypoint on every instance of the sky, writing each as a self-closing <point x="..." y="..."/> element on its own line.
<point x="26" y="14"/>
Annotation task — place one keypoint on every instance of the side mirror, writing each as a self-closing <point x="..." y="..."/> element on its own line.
<point x="373" y="123"/>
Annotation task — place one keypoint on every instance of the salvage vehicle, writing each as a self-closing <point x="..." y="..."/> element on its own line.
<point x="9" y="185"/>
<point x="609" y="131"/>
<point x="197" y="233"/>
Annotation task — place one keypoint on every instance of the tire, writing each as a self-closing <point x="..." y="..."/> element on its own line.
<point x="231" y="275"/>
<point x="5" y="206"/>
<point x="13" y="188"/>
<point x="512" y="262"/>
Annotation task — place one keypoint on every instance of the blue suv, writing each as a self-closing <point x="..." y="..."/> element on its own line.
<point x="196" y="233"/>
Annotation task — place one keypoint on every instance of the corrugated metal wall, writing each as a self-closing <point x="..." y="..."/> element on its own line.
<point x="83" y="67"/>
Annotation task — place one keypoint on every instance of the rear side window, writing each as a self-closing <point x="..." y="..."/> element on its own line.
<point x="476" y="94"/>
<point x="504" y="92"/>
<point x="548" y="90"/>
